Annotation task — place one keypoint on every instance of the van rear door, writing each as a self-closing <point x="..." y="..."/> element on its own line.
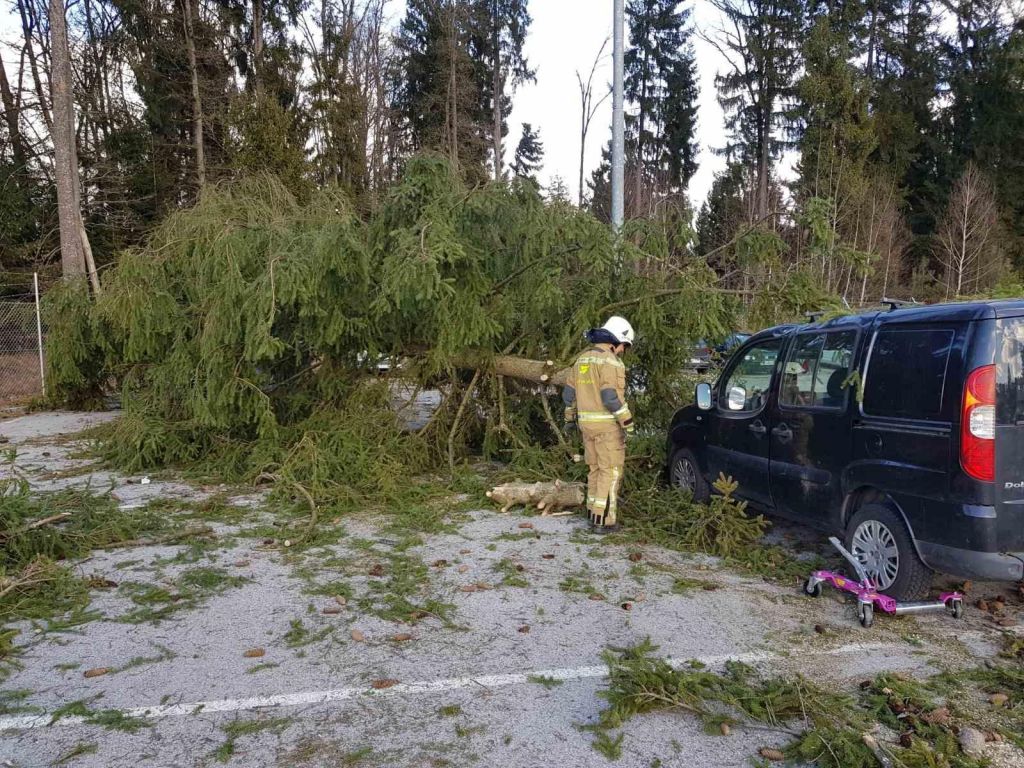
<point x="1009" y="448"/>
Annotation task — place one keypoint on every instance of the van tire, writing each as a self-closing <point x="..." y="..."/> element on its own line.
<point x="678" y="475"/>
<point x="913" y="578"/>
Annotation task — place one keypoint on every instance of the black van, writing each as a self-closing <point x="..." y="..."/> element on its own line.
<point x="901" y="430"/>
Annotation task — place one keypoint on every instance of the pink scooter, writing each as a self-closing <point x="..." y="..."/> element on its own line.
<point x="868" y="597"/>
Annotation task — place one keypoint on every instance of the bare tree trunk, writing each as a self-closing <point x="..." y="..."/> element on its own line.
<point x="588" y="109"/>
<point x="11" y="116"/>
<point x="197" y="103"/>
<point x="452" y="105"/>
<point x="764" y="163"/>
<point x="583" y="148"/>
<point x="28" y="23"/>
<point x="65" y="158"/>
<point x="872" y="42"/>
<point x="257" y="42"/>
<point x="641" y="125"/>
<point x="498" y="86"/>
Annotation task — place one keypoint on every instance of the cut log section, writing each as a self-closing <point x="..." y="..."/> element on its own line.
<point x="549" y="498"/>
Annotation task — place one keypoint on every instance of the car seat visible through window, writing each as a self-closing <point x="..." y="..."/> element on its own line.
<point x="834" y="390"/>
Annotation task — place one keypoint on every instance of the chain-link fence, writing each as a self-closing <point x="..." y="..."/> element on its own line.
<point x="21" y="354"/>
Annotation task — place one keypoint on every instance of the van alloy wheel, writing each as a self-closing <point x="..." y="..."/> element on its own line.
<point x="875" y="548"/>
<point x="685" y="475"/>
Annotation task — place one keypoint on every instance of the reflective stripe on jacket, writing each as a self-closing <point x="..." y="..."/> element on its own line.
<point x="595" y="394"/>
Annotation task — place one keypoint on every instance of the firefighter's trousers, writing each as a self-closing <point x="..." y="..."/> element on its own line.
<point x="605" y="454"/>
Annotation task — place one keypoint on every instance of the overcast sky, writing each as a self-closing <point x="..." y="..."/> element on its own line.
<point x="565" y="36"/>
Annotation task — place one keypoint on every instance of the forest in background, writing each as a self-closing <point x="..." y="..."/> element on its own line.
<point x="907" y="117"/>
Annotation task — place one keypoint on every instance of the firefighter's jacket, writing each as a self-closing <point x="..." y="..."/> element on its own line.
<point x="595" y="394"/>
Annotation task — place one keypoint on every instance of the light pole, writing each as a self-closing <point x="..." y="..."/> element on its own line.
<point x="618" y="120"/>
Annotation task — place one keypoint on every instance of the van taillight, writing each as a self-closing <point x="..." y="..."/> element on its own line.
<point x="978" y="425"/>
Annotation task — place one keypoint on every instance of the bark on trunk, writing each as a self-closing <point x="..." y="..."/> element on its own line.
<point x="522" y="368"/>
<point x="28" y="23"/>
<point x="583" y="149"/>
<point x="65" y="157"/>
<point x="452" y="111"/>
<point x="763" y="166"/>
<point x="498" y="89"/>
<point x="549" y="498"/>
<point x="197" y="103"/>
<point x="257" y="41"/>
<point x="13" y="124"/>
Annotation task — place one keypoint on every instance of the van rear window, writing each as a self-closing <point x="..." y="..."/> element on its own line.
<point x="1010" y="371"/>
<point x="907" y="372"/>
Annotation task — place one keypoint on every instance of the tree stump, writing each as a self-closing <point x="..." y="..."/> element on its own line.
<point x="549" y="498"/>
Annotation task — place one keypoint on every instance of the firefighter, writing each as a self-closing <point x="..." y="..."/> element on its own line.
<point x="595" y="403"/>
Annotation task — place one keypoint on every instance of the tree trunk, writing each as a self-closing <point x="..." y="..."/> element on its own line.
<point x="872" y="42"/>
<point x="583" y="148"/>
<point x="522" y="368"/>
<point x="197" y="103"/>
<point x="641" y="125"/>
<point x="498" y="86"/>
<point x="27" y="25"/>
<point x="764" y="164"/>
<point x="549" y="498"/>
<point x="65" y="157"/>
<point x="11" y="115"/>
<point x="257" y="42"/>
<point x="452" y="101"/>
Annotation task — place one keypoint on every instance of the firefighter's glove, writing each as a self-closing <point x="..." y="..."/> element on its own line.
<point x="629" y="432"/>
<point x="570" y="429"/>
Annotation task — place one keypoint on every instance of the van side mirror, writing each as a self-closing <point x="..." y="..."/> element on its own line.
<point x="704" y="396"/>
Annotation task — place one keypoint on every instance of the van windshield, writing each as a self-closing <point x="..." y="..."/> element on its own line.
<point x="1010" y="371"/>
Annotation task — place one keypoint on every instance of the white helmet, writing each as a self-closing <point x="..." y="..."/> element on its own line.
<point x="620" y="328"/>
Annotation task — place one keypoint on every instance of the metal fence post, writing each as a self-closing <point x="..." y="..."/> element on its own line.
<point x="39" y="334"/>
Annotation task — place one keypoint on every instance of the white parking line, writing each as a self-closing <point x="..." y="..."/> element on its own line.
<point x="306" y="698"/>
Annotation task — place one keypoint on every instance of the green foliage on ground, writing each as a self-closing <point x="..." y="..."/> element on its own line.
<point x="825" y="727"/>
<point x="154" y="602"/>
<point x="111" y="719"/>
<point x="237" y="729"/>
<point x="41" y="533"/>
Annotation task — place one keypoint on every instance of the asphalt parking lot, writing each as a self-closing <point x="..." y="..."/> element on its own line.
<point x="294" y="659"/>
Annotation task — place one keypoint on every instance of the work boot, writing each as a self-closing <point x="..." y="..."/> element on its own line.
<point x="602" y="530"/>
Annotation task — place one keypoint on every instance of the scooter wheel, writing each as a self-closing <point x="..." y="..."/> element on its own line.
<point x="813" y="591"/>
<point x="957" y="608"/>
<point x="866" y="614"/>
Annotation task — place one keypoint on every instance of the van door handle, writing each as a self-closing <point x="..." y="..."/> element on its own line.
<point x="783" y="433"/>
<point x="758" y="428"/>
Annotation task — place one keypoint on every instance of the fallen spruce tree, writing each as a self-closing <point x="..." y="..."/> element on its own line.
<point x="245" y="336"/>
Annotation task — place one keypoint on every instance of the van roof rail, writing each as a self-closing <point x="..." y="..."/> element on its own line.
<point x="895" y="304"/>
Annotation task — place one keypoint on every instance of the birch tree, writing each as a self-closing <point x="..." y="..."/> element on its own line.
<point x="968" y="237"/>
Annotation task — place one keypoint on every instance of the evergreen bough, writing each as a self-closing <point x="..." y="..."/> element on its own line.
<point x="245" y="335"/>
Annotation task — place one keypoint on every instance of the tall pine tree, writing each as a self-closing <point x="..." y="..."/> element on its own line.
<point x="836" y="132"/>
<point x="904" y="70"/>
<point x="761" y="40"/>
<point x="496" y="44"/>
<point x="661" y="86"/>
<point x="529" y="154"/>
<point x="437" y="84"/>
